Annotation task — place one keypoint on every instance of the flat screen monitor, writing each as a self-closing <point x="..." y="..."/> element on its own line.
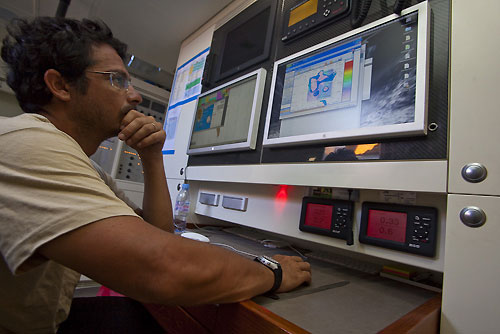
<point x="368" y="83"/>
<point x="245" y="40"/>
<point x="227" y="117"/>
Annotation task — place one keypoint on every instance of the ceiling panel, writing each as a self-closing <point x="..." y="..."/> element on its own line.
<point x="153" y="29"/>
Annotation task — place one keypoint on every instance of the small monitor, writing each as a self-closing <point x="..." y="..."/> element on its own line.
<point x="244" y="41"/>
<point x="369" y="83"/>
<point x="227" y="117"/>
<point x="406" y="228"/>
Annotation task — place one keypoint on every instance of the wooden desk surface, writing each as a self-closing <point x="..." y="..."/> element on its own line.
<point x="339" y="300"/>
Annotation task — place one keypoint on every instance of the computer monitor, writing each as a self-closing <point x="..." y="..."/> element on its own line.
<point x="368" y="83"/>
<point x="227" y="117"/>
<point x="242" y="42"/>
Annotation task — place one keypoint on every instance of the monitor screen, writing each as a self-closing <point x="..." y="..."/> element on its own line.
<point x="368" y="83"/>
<point x="302" y="11"/>
<point x="387" y="225"/>
<point x="245" y="40"/>
<point x="227" y="116"/>
<point x="319" y="215"/>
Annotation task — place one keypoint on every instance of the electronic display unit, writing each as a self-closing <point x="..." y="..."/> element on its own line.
<point x="309" y="15"/>
<point x="328" y="217"/>
<point x="406" y="228"/>
<point x="227" y="116"/>
<point x="368" y="83"/>
<point x="242" y="42"/>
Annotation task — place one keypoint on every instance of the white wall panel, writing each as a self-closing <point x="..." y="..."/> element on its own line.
<point x="475" y="111"/>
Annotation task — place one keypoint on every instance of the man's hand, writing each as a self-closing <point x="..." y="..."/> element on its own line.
<point x="295" y="272"/>
<point x="146" y="136"/>
<point x="142" y="133"/>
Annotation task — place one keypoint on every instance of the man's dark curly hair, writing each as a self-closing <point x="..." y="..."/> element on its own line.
<point x="57" y="43"/>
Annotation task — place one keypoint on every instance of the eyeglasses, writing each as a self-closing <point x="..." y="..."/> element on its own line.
<point x="117" y="79"/>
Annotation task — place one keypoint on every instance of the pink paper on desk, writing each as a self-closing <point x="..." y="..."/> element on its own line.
<point x="106" y="292"/>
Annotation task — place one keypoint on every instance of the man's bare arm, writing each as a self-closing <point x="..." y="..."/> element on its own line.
<point x="148" y="264"/>
<point x="146" y="136"/>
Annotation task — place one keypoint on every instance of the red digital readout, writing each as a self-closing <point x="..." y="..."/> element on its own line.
<point x="319" y="215"/>
<point x="387" y="225"/>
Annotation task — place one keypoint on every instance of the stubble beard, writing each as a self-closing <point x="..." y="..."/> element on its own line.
<point x="91" y="121"/>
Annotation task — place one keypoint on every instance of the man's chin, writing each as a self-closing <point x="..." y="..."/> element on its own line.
<point x="112" y="133"/>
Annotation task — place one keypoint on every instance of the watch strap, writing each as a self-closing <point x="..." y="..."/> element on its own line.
<point x="277" y="271"/>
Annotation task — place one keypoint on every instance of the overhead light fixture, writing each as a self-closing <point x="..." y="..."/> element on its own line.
<point x="131" y="60"/>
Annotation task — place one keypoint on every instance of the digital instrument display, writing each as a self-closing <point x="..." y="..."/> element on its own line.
<point x="306" y="16"/>
<point x="303" y="11"/>
<point x="328" y="217"/>
<point x="387" y="225"/>
<point x="319" y="215"/>
<point x="407" y="228"/>
<point x="227" y="116"/>
<point x="368" y="84"/>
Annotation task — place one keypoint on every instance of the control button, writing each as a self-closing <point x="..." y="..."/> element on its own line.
<point x="300" y="27"/>
<point x="417" y="218"/>
<point x="473" y="216"/>
<point x="326" y="12"/>
<point x="474" y="172"/>
<point x="313" y="21"/>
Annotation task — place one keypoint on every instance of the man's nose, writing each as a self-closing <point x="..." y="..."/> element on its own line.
<point x="133" y="97"/>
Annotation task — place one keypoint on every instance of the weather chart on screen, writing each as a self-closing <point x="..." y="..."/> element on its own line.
<point x="387" y="225"/>
<point x="325" y="81"/>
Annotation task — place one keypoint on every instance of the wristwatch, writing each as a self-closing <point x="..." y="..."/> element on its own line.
<point x="276" y="269"/>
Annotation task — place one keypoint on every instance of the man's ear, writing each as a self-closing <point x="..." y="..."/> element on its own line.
<point x="57" y="85"/>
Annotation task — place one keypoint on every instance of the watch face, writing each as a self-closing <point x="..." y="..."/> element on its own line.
<point x="269" y="262"/>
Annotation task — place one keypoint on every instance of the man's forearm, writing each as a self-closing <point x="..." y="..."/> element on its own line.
<point x="164" y="268"/>
<point x="156" y="204"/>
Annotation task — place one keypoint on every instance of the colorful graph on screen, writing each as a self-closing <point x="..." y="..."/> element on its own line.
<point x="323" y="82"/>
<point x="347" y="84"/>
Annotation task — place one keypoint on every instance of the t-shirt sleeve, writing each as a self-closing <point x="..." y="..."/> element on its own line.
<point x="111" y="183"/>
<point x="49" y="188"/>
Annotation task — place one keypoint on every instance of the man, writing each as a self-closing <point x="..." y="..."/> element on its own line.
<point x="58" y="218"/>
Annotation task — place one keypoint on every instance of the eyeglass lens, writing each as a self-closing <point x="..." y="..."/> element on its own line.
<point x="119" y="80"/>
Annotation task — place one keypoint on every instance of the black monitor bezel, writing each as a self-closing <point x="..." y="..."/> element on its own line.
<point x="220" y="36"/>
